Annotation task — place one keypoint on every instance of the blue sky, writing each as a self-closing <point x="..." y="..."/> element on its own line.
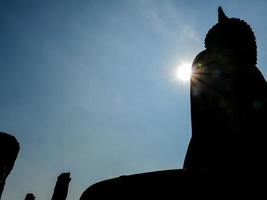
<point x="89" y="86"/>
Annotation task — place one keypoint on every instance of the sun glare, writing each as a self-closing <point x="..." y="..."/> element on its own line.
<point x="184" y="72"/>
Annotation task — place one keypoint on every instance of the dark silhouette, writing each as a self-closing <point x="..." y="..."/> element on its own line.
<point x="61" y="187"/>
<point x="228" y="102"/>
<point x="29" y="196"/>
<point x="9" y="149"/>
<point x="227" y="152"/>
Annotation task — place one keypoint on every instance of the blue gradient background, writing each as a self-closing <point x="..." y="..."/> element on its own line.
<point x="89" y="86"/>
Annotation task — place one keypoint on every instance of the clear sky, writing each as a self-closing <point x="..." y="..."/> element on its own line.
<point x="89" y="86"/>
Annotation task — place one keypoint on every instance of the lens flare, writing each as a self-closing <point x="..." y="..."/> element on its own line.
<point x="184" y="72"/>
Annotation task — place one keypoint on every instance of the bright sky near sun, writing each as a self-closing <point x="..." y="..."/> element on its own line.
<point x="100" y="88"/>
<point x="184" y="72"/>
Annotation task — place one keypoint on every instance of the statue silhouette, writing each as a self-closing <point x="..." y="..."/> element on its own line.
<point x="228" y="113"/>
<point x="228" y="102"/>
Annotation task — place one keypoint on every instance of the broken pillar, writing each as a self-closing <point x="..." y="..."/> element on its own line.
<point x="9" y="149"/>
<point x="61" y="187"/>
<point x="29" y="196"/>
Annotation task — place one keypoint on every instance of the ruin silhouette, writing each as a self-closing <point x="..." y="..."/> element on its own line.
<point x="61" y="187"/>
<point x="227" y="151"/>
<point x="226" y="156"/>
<point x="9" y="149"/>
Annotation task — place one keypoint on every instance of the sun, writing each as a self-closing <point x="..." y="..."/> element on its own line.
<point x="184" y="72"/>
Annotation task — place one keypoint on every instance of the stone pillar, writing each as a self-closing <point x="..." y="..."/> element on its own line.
<point x="61" y="187"/>
<point x="9" y="149"/>
<point x="29" y="196"/>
